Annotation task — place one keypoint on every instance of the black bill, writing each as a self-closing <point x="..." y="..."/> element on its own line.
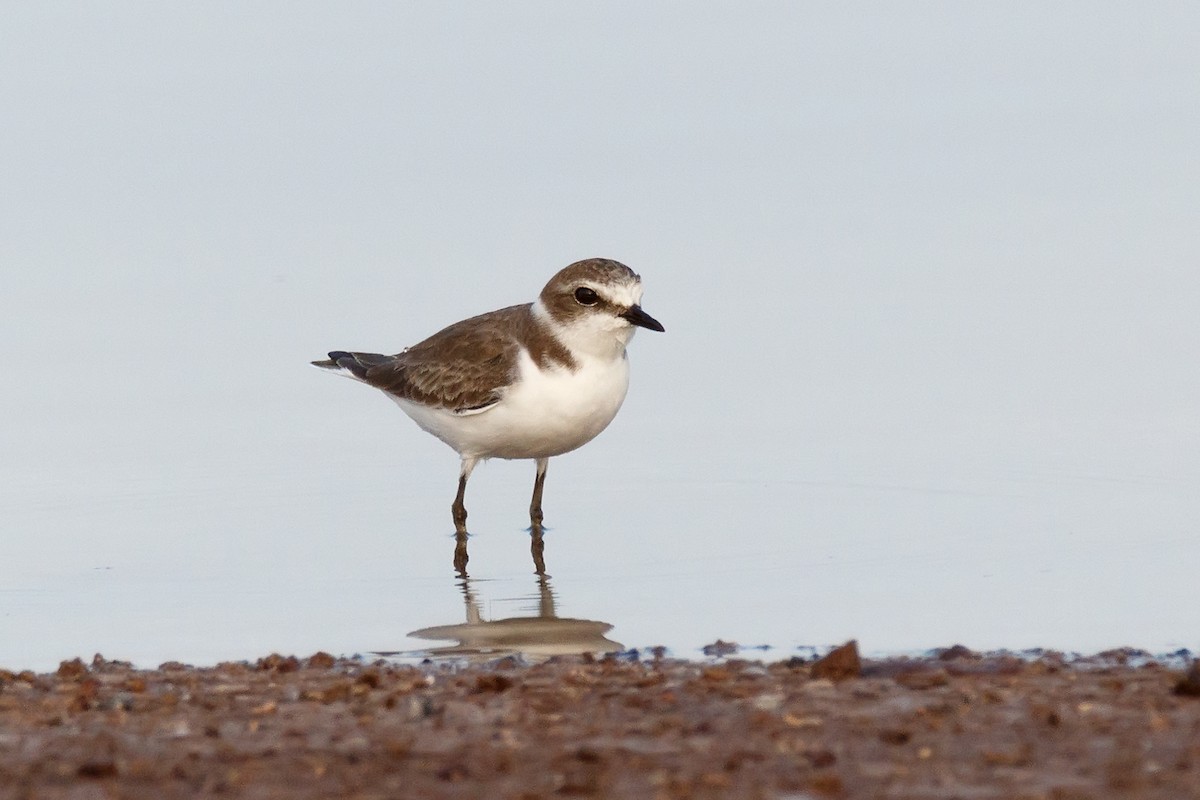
<point x="642" y="319"/>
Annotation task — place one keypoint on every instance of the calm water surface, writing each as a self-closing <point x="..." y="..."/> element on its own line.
<point x="263" y="506"/>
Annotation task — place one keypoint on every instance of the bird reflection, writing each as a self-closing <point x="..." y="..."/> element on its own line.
<point x="540" y="636"/>
<point x="537" y="548"/>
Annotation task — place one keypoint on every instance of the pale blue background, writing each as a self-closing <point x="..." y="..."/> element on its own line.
<point x="929" y="273"/>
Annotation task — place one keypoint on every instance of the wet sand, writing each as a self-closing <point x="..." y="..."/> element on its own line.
<point x="953" y="725"/>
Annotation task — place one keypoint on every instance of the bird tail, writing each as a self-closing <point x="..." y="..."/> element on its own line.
<point x="352" y="365"/>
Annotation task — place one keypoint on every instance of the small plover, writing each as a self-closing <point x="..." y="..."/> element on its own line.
<point x="529" y="381"/>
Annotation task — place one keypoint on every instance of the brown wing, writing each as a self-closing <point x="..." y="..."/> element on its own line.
<point x="464" y="367"/>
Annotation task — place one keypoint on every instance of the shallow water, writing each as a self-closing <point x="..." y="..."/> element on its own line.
<point x="929" y="373"/>
<point x="339" y="538"/>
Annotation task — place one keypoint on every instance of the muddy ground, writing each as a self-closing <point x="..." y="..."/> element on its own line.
<point x="953" y="725"/>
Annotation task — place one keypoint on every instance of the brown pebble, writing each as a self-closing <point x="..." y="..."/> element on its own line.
<point x="1189" y="684"/>
<point x="370" y="678"/>
<point x="827" y="784"/>
<point x="1018" y="756"/>
<point x="1044" y="712"/>
<point x="338" y="691"/>
<point x="72" y="669"/>
<point x="894" y="736"/>
<point x="716" y="780"/>
<point x="716" y="674"/>
<point x="321" y="660"/>
<point x="97" y="769"/>
<point x="85" y="695"/>
<point x="492" y="683"/>
<point x="35" y="681"/>
<point x="278" y="663"/>
<point x="923" y="679"/>
<point x="839" y="663"/>
<point x="956" y="652"/>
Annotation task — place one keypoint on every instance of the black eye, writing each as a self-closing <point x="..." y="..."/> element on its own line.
<point x="586" y="297"/>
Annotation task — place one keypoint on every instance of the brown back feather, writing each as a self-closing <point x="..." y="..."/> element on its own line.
<point x="469" y="364"/>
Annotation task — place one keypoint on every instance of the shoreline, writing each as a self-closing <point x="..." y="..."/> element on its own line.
<point x="956" y="724"/>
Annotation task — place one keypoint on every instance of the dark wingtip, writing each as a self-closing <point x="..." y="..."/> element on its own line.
<point x="340" y="359"/>
<point x="357" y="364"/>
<point x="332" y="361"/>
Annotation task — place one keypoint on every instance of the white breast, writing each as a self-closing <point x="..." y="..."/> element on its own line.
<point x="544" y="413"/>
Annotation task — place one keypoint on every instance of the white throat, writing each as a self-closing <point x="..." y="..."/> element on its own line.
<point x="596" y="334"/>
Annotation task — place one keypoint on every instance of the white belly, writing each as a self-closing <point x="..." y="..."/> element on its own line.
<point x="545" y="413"/>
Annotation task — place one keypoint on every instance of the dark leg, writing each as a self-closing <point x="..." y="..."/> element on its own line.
<point x="536" y="547"/>
<point x="459" y="510"/>
<point x="460" y="554"/>
<point x="535" y="506"/>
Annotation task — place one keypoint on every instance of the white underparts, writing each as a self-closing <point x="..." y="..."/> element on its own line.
<point x="545" y="412"/>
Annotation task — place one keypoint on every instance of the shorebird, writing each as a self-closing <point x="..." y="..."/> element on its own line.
<point x="529" y="381"/>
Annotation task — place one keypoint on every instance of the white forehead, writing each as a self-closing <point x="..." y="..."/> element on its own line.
<point x="622" y="293"/>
